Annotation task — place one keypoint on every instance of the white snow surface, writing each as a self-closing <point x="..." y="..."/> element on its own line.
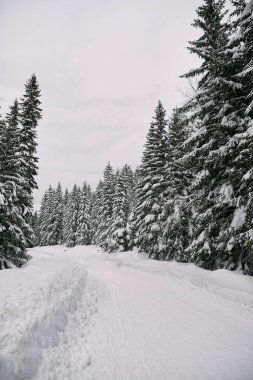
<point x="79" y="313"/>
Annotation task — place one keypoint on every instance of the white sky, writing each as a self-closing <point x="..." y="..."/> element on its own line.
<point x="102" y="65"/>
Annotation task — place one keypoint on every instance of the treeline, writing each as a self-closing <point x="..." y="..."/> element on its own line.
<point x="82" y="217"/>
<point x="18" y="168"/>
<point x="191" y="199"/>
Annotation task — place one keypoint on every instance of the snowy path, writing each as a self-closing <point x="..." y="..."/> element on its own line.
<point x="79" y="314"/>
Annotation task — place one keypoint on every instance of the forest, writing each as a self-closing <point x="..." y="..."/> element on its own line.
<point x="191" y="197"/>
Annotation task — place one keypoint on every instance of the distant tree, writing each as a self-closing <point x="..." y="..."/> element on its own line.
<point x="132" y="218"/>
<point x="84" y="227"/>
<point x="55" y="217"/>
<point x="118" y="238"/>
<point x="106" y="206"/>
<point x="96" y="216"/>
<point x="71" y="214"/>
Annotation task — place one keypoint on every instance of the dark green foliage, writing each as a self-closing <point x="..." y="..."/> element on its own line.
<point x="151" y="185"/>
<point x="84" y="223"/>
<point x="71" y="216"/>
<point x="29" y="117"/>
<point x="118" y="234"/>
<point x="15" y="233"/>
<point x="176" y="213"/>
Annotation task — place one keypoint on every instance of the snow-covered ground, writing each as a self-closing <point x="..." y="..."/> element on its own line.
<point x="82" y="314"/>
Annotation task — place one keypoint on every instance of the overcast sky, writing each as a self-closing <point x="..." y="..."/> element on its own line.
<point x="102" y="65"/>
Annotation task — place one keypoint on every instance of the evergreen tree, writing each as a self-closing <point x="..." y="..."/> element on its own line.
<point x="235" y="240"/>
<point x="71" y="215"/>
<point x="132" y="219"/>
<point x="55" y="217"/>
<point x="176" y="209"/>
<point x="96" y="209"/>
<point x="29" y="116"/>
<point x="39" y="239"/>
<point x="14" y="229"/>
<point x="221" y="148"/>
<point x="151" y="185"/>
<point x="106" y="207"/>
<point x="45" y="217"/>
<point x="66" y="197"/>
<point x="84" y="229"/>
<point x="118" y="237"/>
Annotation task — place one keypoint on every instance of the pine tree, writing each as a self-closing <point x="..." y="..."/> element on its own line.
<point x="96" y="210"/>
<point x="235" y="240"/>
<point x="151" y="185"/>
<point x="47" y="218"/>
<point x="66" y="197"/>
<point x="176" y="209"/>
<point x="40" y="236"/>
<point x="132" y="219"/>
<point x="14" y="229"/>
<point x="29" y="117"/>
<point x="55" y="217"/>
<point x="106" y="207"/>
<point x="221" y="148"/>
<point x="118" y="238"/>
<point x="71" y="215"/>
<point x="84" y="228"/>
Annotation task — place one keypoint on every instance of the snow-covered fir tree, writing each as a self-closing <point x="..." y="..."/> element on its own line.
<point x="151" y="186"/>
<point x="235" y="240"/>
<point x="14" y="229"/>
<point x="215" y="157"/>
<point x="84" y="227"/>
<point x="105" y="207"/>
<point x="30" y="115"/>
<point x="176" y="208"/>
<point x="55" y="217"/>
<point x="96" y="213"/>
<point x="71" y="216"/>
<point x="132" y="221"/>
<point x="46" y="218"/>
<point x="118" y="234"/>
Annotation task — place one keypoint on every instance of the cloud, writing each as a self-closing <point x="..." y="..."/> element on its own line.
<point x="102" y="66"/>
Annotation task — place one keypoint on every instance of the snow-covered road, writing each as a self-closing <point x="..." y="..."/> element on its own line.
<point x="81" y="314"/>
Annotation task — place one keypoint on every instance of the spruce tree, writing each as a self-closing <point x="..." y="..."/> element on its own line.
<point x="30" y="113"/>
<point x="47" y="218"/>
<point x="55" y="217"/>
<point x="132" y="219"/>
<point x="151" y="186"/>
<point x="14" y="229"/>
<point x="71" y="215"/>
<point x="221" y="146"/>
<point x="176" y="209"/>
<point x="118" y="237"/>
<point x="84" y="228"/>
<point x="235" y="240"/>
<point x="96" y="210"/>
<point x="106" y="207"/>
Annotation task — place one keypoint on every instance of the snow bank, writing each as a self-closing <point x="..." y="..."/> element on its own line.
<point x="80" y="314"/>
<point x="36" y="304"/>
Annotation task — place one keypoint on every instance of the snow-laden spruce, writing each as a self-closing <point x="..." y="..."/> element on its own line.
<point x="18" y="168"/>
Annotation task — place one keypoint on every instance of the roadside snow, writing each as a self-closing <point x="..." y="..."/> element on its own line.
<point x="82" y="314"/>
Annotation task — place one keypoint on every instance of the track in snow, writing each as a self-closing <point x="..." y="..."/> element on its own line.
<point x="79" y="314"/>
